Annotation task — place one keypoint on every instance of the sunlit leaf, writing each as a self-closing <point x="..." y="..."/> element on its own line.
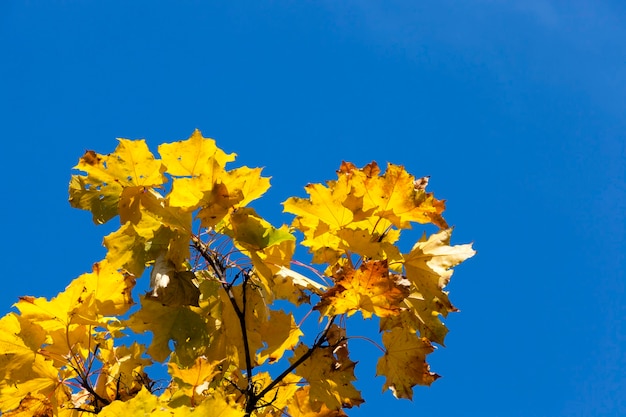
<point x="195" y="379"/>
<point x="330" y="374"/>
<point x="371" y="289"/>
<point x="186" y="328"/>
<point x="301" y="405"/>
<point x="122" y="374"/>
<point x="281" y="333"/>
<point x="29" y="376"/>
<point x="252" y="232"/>
<point x="404" y="362"/>
<point x="143" y="404"/>
<point x="429" y="268"/>
<point x="225" y="289"/>
<point x="194" y="156"/>
<point x="114" y="179"/>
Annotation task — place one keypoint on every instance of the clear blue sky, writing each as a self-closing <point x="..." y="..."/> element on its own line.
<point x="517" y="110"/>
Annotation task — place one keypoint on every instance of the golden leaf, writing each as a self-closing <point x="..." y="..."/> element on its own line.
<point x="113" y="179"/>
<point x="330" y="374"/>
<point x="87" y="300"/>
<point x="301" y="405"/>
<point x="278" y="281"/>
<point x="281" y="333"/>
<point x="32" y="405"/>
<point x="361" y="213"/>
<point x="404" y="362"/>
<point x="394" y="196"/>
<point x="429" y="268"/>
<point x="195" y="379"/>
<point x="28" y="376"/>
<point x="186" y="328"/>
<point x="121" y="375"/>
<point x="143" y="404"/>
<point x="194" y="156"/>
<point x="201" y="180"/>
<point x="251" y="231"/>
<point x="371" y="289"/>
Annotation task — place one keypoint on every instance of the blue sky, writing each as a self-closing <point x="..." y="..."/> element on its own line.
<point x="516" y="110"/>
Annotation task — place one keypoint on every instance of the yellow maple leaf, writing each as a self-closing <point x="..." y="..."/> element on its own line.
<point x="126" y="248"/>
<point x="395" y="197"/>
<point x="301" y="405"/>
<point x="32" y="405"/>
<point x="143" y="404"/>
<point x="89" y="299"/>
<point x="99" y="197"/>
<point x="281" y="333"/>
<point x="28" y="382"/>
<point x="330" y="373"/>
<point x="325" y="205"/>
<point x="322" y="242"/>
<point x="404" y="362"/>
<point x="361" y="213"/>
<point x="322" y="214"/>
<point x="12" y="340"/>
<point x="363" y="243"/>
<point x="133" y="246"/>
<point x="216" y="197"/>
<point x="251" y="232"/>
<point x="217" y="204"/>
<point x="291" y="285"/>
<point x="371" y="289"/>
<point x="209" y="194"/>
<point x="194" y="156"/>
<point x="149" y="227"/>
<point x="247" y="181"/>
<point x="216" y="405"/>
<point x="62" y="329"/>
<point x="182" y="325"/>
<point x="31" y="375"/>
<point x="202" y="181"/>
<point x="429" y="268"/>
<point x="194" y="380"/>
<point x="420" y="316"/>
<point x="121" y="375"/>
<point x="113" y="179"/>
<point x="278" y="281"/>
<point x="131" y="164"/>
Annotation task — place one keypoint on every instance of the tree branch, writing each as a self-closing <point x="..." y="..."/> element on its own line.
<point x="246" y="347"/>
<point x="321" y="339"/>
<point x="202" y="248"/>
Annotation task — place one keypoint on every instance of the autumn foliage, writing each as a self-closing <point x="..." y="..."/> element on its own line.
<point x="218" y="273"/>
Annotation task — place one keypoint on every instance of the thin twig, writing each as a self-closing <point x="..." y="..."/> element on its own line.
<point x="369" y="340"/>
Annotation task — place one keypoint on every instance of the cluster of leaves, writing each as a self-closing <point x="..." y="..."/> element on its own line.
<point x="216" y="270"/>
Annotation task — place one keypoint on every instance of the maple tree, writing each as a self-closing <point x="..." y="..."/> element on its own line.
<point x="217" y="270"/>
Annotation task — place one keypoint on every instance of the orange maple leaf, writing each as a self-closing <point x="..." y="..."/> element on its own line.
<point x="371" y="289"/>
